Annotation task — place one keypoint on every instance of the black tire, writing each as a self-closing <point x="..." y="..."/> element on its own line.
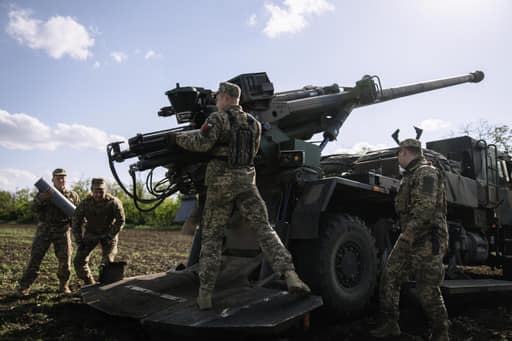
<point x="507" y="271"/>
<point x="382" y="233"/>
<point x="342" y="265"/>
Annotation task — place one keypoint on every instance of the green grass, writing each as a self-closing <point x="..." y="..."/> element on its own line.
<point x="46" y="314"/>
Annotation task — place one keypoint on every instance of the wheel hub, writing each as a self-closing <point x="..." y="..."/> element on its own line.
<point x="349" y="264"/>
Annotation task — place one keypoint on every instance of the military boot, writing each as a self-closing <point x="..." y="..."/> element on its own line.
<point x="23" y="292"/>
<point x="204" y="299"/>
<point x="64" y="288"/>
<point x="295" y="284"/>
<point x="439" y="335"/>
<point x="89" y="280"/>
<point x="440" y="330"/>
<point x="386" y="329"/>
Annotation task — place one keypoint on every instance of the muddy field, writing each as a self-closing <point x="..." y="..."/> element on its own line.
<point x="47" y="315"/>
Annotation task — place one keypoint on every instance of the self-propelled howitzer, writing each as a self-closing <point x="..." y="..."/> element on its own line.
<point x="289" y="119"/>
<point x="331" y="225"/>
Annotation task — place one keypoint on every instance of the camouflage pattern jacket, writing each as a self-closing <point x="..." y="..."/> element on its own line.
<point x="421" y="205"/>
<point x="103" y="219"/>
<point x="51" y="218"/>
<point x="214" y="137"/>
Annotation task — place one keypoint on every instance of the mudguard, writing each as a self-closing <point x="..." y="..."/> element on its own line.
<point x="318" y="195"/>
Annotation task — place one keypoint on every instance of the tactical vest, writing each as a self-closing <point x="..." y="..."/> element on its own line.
<point x="243" y="133"/>
<point x="437" y="232"/>
<point x="99" y="215"/>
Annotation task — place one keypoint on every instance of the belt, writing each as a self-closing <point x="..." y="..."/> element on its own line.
<point x="225" y="159"/>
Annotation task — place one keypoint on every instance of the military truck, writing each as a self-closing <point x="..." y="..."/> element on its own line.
<point x="334" y="213"/>
<point x="479" y="189"/>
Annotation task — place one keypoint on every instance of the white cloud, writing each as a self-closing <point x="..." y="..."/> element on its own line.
<point x="433" y="124"/>
<point x="59" y="36"/>
<point x="252" y="20"/>
<point x="118" y="56"/>
<point x="291" y="18"/>
<point x="24" y="132"/>
<point x="13" y="179"/>
<point x="359" y="147"/>
<point x="152" y="54"/>
<point x="96" y="65"/>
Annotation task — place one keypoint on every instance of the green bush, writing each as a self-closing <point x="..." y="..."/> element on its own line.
<point x="16" y="207"/>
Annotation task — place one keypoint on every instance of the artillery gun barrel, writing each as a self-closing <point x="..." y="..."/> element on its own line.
<point x="304" y="112"/>
<point x="416" y="88"/>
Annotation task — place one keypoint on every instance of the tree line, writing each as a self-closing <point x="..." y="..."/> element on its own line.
<point x="497" y="134"/>
<point x="15" y="207"/>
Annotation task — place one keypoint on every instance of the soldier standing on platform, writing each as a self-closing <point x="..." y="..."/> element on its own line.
<point x="232" y="137"/>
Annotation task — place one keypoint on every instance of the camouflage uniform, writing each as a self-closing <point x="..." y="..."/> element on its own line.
<point x="104" y="220"/>
<point x="421" y="206"/>
<point x="53" y="228"/>
<point x="229" y="188"/>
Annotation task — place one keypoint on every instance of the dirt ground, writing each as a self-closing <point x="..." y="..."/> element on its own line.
<point x="49" y="316"/>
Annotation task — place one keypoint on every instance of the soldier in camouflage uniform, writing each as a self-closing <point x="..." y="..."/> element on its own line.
<point x="419" y="250"/>
<point x="53" y="228"/>
<point x="104" y="219"/>
<point x="232" y="137"/>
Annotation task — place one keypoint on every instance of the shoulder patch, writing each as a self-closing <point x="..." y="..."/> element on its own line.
<point x="427" y="185"/>
<point x="207" y="125"/>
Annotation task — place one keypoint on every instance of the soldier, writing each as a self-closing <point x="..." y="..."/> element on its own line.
<point x="104" y="219"/>
<point x="421" y="206"/>
<point x="53" y="228"/>
<point x="232" y="137"/>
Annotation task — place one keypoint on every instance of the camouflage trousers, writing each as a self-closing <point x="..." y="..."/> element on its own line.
<point x="89" y="242"/>
<point x="42" y="240"/>
<point x="221" y="201"/>
<point x="428" y="271"/>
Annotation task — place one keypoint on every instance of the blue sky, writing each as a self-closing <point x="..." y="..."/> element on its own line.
<point x="76" y="75"/>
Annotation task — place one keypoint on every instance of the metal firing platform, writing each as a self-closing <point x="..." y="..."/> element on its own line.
<point x="167" y="301"/>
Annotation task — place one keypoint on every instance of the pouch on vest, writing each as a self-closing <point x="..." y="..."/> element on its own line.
<point x="241" y="143"/>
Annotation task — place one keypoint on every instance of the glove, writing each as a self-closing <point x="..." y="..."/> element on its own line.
<point x="45" y="196"/>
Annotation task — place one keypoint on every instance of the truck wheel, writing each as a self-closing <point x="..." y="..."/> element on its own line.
<point x="507" y="271"/>
<point x="347" y="266"/>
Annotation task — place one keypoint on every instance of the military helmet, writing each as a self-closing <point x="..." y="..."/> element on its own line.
<point x="59" y="171"/>
<point x="229" y="89"/>
<point x="98" y="183"/>
<point x="413" y="144"/>
<point x="410" y="143"/>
